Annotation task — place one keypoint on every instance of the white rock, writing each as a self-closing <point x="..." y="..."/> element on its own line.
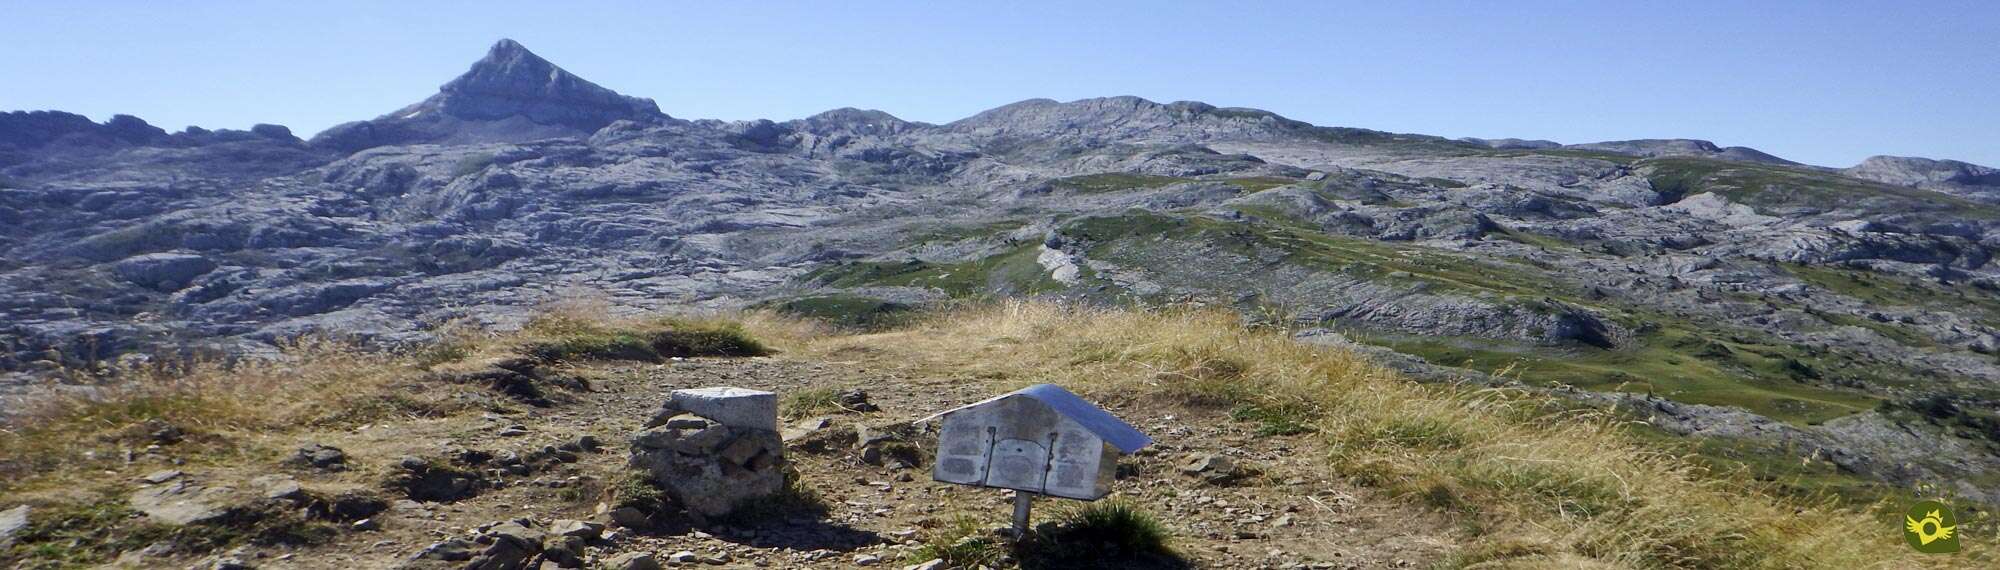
<point x="12" y="521"/>
<point x="730" y="406"/>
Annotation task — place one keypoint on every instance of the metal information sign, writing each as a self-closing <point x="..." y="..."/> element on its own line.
<point x="1040" y="440"/>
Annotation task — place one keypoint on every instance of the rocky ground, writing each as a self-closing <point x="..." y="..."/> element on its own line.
<point x="1231" y="498"/>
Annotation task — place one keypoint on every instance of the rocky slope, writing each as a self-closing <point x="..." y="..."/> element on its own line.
<point x="1854" y="307"/>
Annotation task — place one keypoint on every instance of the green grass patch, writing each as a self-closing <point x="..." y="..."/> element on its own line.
<point x="1534" y="239"/>
<point x="1901" y="335"/>
<point x="1113" y="181"/>
<point x="565" y="339"/>
<point x="1255" y="184"/>
<point x="1772" y="186"/>
<point x="951" y="233"/>
<point x="1898" y="291"/>
<point x="845" y="311"/>
<point x="1012" y="272"/>
<point x="1778" y="382"/>
<point x="1130" y="237"/>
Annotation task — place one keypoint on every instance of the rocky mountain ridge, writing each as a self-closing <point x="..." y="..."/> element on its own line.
<point x="1856" y="306"/>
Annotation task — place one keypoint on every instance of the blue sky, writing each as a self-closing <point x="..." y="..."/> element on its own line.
<point x="1820" y="82"/>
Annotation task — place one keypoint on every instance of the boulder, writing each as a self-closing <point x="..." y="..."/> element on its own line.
<point x="1213" y="468"/>
<point x="633" y="561"/>
<point x="280" y="487"/>
<point x="162" y="271"/>
<point x="581" y="529"/>
<point x="512" y="545"/>
<point x="183" y="503"/>
<point x="319" y="456"/>
<point x="453" y="550"/>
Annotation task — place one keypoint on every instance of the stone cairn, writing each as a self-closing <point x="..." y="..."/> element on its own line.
<point x="713" y="449"/>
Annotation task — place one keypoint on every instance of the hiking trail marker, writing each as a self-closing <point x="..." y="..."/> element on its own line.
<point x="1039" y="440"/>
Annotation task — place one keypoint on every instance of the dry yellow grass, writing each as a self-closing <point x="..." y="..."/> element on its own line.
<point x="1534" y="485"/>
<point x="73" y="434"/>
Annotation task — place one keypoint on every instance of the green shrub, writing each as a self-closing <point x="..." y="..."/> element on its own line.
<point x="611" y="346"/>
<point x="1096" y="534"/>
<point x="686" y="339"/>
<point x="674" y="338"/>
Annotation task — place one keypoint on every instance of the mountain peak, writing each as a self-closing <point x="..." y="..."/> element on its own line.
<point x="507" y="59"/>
<point x="510" y="94"/>
<point x="506" y="46"/>
<point x="512" y="81"/>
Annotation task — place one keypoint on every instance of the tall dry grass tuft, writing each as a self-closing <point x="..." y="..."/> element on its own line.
<point x="317" y="382"/>
<point x="1539" y="484"/>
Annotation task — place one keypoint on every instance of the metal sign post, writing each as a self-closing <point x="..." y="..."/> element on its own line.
<point x="1040" y="440"/>
<point x="1023" y="501"/>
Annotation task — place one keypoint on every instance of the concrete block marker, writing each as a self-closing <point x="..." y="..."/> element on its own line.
<point x="729" y="406"/>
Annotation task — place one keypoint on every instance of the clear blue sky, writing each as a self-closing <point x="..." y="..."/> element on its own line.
<point x="1821" y="82"/>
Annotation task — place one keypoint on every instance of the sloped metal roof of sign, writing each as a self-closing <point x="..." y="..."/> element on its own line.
<point x="1107" y="427"/>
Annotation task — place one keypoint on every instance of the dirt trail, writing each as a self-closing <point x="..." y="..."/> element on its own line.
<point x="1288" y="516"/>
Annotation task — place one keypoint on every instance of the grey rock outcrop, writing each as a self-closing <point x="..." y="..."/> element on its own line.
<point x="1512" y="143"/>
<point x="1682" y="148"/>
<point x="163" y="271"/>
<point x="1950" y="176"/>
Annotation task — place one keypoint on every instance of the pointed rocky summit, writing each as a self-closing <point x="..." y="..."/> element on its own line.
<point x="509" y="95"/>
